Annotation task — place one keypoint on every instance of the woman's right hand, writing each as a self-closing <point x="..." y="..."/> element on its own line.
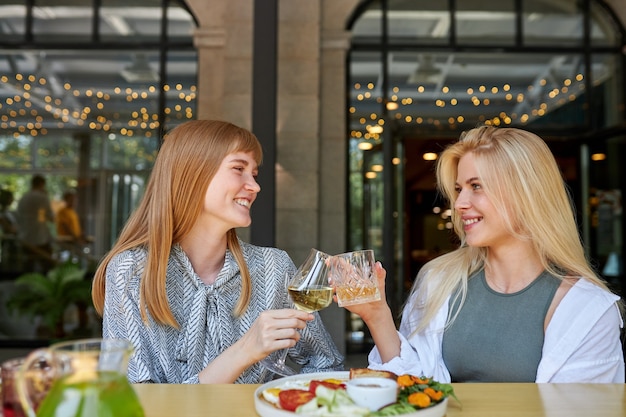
<point x="274" y="330"/>
<point x="378" y="318"/>
<point x="373" y="309"/>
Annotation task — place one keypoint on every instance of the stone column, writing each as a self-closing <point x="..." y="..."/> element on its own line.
<point x="298" y="150"/>
<point x="210" y="45"/>
<point x="210" y="42"/>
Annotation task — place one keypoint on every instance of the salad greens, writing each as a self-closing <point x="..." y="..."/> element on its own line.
<point x="414" y="393"/>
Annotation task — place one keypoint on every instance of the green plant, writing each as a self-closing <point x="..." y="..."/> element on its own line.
<point x="48" y="296"/>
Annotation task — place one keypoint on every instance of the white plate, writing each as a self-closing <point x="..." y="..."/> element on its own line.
<point x="265" y="409"/>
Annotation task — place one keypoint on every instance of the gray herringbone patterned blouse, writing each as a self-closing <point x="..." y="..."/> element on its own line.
<point x="207" y="326"/>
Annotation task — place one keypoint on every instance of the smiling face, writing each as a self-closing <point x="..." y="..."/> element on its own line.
<point x="231" y="192"/>
<point x="483" y="224"/>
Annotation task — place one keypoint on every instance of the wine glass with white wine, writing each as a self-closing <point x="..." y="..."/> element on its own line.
<point x="310" y="291"/>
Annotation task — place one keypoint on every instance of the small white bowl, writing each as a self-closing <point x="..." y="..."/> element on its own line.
<point x="372" y="392"/>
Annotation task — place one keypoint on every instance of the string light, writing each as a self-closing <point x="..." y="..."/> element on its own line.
<point x="532" y="104"/>
<point x="42" y="106"/>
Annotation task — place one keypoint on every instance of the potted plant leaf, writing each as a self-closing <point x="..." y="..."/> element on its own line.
<point x="49" y="296"/>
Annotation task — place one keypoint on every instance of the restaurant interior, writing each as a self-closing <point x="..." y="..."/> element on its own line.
<point x="88" y="88"/>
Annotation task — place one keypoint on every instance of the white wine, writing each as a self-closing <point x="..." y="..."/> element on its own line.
<point x="311" y="299"/>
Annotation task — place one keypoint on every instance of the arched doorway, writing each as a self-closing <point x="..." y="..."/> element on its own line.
<point x="422" y="72"/>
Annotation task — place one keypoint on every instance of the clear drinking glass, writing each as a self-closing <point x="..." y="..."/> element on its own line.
<point x="309" y="290"/>
<point x="352" y="276"/>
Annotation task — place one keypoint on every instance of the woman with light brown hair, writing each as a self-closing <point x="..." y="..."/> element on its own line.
<point x="199" y="304"/>
<point x="517" y="301"/>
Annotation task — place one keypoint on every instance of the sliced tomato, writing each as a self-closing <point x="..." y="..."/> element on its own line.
<point x="290" y="399"/>
<point x="328" y="384"/>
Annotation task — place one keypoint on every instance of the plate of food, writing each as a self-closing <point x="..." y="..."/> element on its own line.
<point x="361" y="392"/>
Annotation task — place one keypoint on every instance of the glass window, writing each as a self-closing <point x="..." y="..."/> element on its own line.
<point x="368" y="27"/>
<point x="366" y="118"/>
<point x="367" y="124"/>
<point x="180" y="95"/>
<point x="179" y="23"/>
<point x="58" y="151"/>
<point x="87" y="91"/>
<point x="604" y="31"/>
<point x="129" y="152"/>
<point x="608" y="88"/>
<point x="448" y="92"/>
<point x="12" y="24"/>
<point x="62" y="21"/>
<point x="420" y="21"/>
<point x="605" y="203"/>
<point x="15" y="149"/>
<point x="90" y="118"/>
<point x="556" y="23"/>
<point x="125" y="190"/>
<point x="481" y="22"/>
<point x="128" y="21"/>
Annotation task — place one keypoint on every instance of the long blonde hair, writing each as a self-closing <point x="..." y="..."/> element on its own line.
<point x="185" y="165"/>
<point x="522" y="180"/>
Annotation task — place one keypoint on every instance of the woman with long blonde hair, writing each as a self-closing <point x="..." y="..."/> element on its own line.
<point x="198" y="304"/>
<point x="517" y="301"/>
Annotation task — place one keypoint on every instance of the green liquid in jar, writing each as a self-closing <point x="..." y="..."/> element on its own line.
<point x="108" y="395"/>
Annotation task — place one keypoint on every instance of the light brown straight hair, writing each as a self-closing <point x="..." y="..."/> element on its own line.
<point x="185" y="165"/>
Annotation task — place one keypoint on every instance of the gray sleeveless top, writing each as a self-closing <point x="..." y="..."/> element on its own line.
<point x="498" y="337"/>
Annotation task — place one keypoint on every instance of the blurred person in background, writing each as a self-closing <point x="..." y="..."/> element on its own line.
<point x="67" y="222"/>
<point x="70" y="237"/>
<point x="35" y="218"/>
<point x="8" y="220"/>
<point x="10" y="260"/>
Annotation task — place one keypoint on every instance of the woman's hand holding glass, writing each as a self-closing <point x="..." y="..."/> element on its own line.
<point x="309" y="290"/>
<point x="275" y="330"/>
<point x="358" y="284"/>
<point x="358" y="280"/>
<point x="371" y="305"/>
<point x="375" y="313"/>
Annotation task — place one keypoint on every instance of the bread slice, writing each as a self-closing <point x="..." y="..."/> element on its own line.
<point x="367" y="372"/>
